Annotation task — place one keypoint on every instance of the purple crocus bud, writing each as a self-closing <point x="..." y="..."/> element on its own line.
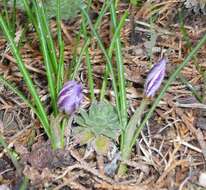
<point x="70" y="97"/>
<point x="155" y="78"/>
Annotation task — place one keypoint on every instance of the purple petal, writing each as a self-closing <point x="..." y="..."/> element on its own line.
<point x="68" y="86"/>
<point x="70" y="97"/>
<point x="155" y="78"/>
<point x="154" y="85"/>
<point x="157" y="67"/>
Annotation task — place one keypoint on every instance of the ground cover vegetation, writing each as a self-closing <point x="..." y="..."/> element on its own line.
<point x="103" y="94"/>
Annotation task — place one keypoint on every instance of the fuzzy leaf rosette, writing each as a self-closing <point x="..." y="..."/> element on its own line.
<point x="99" y="127"/>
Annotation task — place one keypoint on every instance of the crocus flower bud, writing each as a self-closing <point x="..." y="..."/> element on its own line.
<point x="70" y="97"/>
<point x="155" y="78"/>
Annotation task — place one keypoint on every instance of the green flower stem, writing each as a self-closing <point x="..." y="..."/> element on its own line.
<point x="128" y="135"/>
<point x="63" y="126"/>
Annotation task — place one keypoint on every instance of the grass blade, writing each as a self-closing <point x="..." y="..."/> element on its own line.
<point x="29" y="13"/>
<point x="120" y="70"/>
<point x="87" y="42"/>
<point x="26" y="76"/>
<point x="45" y="51"/>
<point x="191" y="88"/>
<point x="48" y="37"/>
<point x="88" y="63"/>
<point x="114" y="84"/>
<point x="60" y="72"/>
<point x="110" y="51"/>
<point x="90" y="75"/>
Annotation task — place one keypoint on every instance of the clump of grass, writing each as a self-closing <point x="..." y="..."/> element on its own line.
<point x="54" y="65"/>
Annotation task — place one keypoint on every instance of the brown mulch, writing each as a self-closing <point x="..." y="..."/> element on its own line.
<point x="170" y="153"/>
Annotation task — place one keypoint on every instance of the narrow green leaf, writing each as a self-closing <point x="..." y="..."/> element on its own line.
<point x="114" y="84"/>
<point x="87" y="42"/>
<point x="120" y="70"/>
<point x="60" y="72"/>
<point x="110" y="51"/>
<point x="45" y="51"/>
<point x="48" y="37"/>
<point x="26" y="76"/>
